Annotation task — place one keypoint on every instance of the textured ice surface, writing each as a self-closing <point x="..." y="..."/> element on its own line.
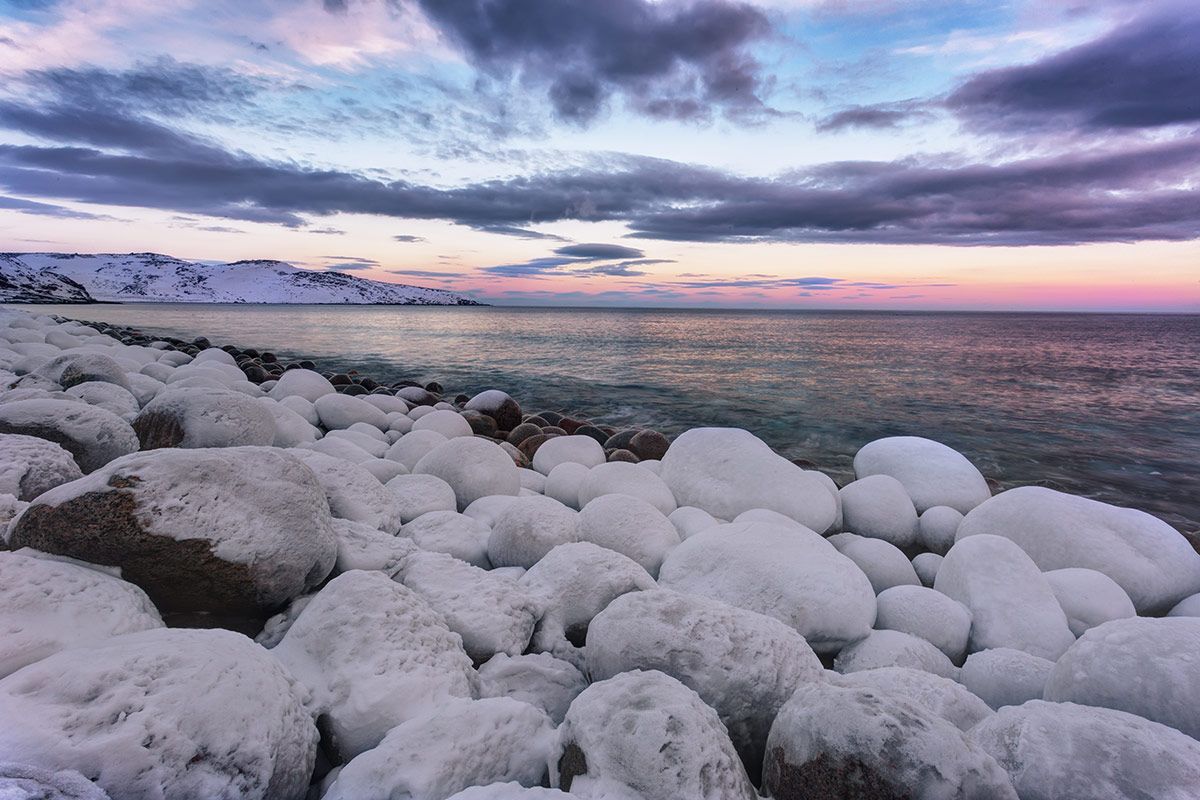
<point x="944" y="697"/>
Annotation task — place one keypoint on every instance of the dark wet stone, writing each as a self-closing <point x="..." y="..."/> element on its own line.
<point x="534" y="419"/>
<point x="306" y="364"/>
<point x="370" y="384"/>
<point x="523" y="432"/>
<point x="417" y="395"/>
<point x="649" y="444"/>
<point x="435" y="387"/>
<point x="341" y="379"/>
<point x="804" y="463"/>
<point x="570" y="425"/>
<point x="554" y="430"/>
<point x="621" y="439"/>
<point x="461" y="399"/>
<point x="481" y="424"/>
<point x="621" y="455"/>
<point x="268" y="358"/>
<point x="551" y="417"/>
<point x="353" y="390"/>
<point x="250" y="351"/>
<point x="499" y="406"/>
<point x="382" y="390"/>
<point x="572" y="764"/>
<point x="529" y="446"/>
<point x="255" y="373"/>
<point x="825" y="776"/>
<point x="201" y="343"/>
<point x="592" y="431"/>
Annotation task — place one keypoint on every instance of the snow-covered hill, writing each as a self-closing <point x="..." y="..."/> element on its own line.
<point x="154" y="278"/>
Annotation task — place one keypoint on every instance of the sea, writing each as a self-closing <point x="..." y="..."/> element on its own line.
<point x="1101" y="405"/>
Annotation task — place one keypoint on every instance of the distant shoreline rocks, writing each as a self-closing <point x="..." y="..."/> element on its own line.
<point x="420" y="592"/>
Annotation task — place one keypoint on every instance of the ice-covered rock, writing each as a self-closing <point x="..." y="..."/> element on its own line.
<point x="91" y="435"/>
<point x="291" y="429"/>
<point x="127" y="714"/>
<point x="337" y="448"/>
<point x="1148" y="667"/>
<point x="473" y="467"/>
<point x="497" y="405"/>
<point x="301" y="383"/>
<point x="1088" y="598"/>
<point x="944" y="697"/>
<point x="689" y="520"/>
<point x="343" y="410"/>
<point x="420" y="494"/>
<point x="1187" y="607"/>
<point x="887" y="648"/>
<point x="528" y="529"/>
<point x="30" y="465"/>
<point x="232" y="530"/>
<point x="563" y="482"/>
<point x="1148" y="558"/>
<point x="562" y="449"/>
<point x="854" y="742"/>
<point x="143" y="387"/>
<point x="199" y="417"/>
<point x="574" y="583"/>
<point x="450" y="424"/>
<point x="461" y="744"/>
<point x="363" y="546"/>
<point x="50" y="605"/>
<point x="108" y="396"/>
<point x="881" y="561"/>
<point x="452" y="533"/>
<point x="70" y="369"/>
<point x="879" y="507"/>
<point x="515" y="791"/>
<point x="488" y="509"/>
<point x="1063" y="751"/>
<point x="631" y="526"/>
<point x="539" y="679"/>
<point x="352" y="492"/>
<point x="932" y="473"/>
<point x="726" y="471"/>
<point x="926" y="565"/>
<point x="649" y="732"/>
<point x="370" y="445"/>
<point x="743" y="664"/>
<point x="1011" y="602"/>
<point x="1005" y="677"/>
<point x="929" y="614"/>
<point x="792" y="575"/>
<point x="300" y="405"/>
<point x="382" y="469"/>
<point x="373" y="654"/>
<point x="622" y="477"/>
<point x="937" y="527"/>
<point x="23" y="782"/>
<point x="491" y="612"/>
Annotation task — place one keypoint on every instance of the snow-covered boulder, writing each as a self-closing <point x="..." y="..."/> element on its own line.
<point x="834" y="741"/>
<point x="491" y="612"/>
<point x="461" y="744"/>
<point x="689" y="520"/>
<point x="726" y="471"/>
<point x="450" y="424"/>
<point x="339" y="411"/>
<point x="881" y="561"/>
<point x="515" y="791"/>
<point x="373" y="447"/>
<point x="926" y="565"/>
<point x="1003" y="676"/>
<point x="452" y="533"/>
<point x="893" y="649"/>
<point x="631" y="526"/>
<point x="416" y="495"/>
<point x="301" y="383"/>
<point x="573" y="583"/>
<point x="50" y="605"/>
<point x="352" y="492"/>
<point x="30" y="465"/>
<point x="539" y="679"/>
<point x="143" y="387"/>
<point x="1148" y="667"/>
<point x="650" y="733"/>
<point x="232" y="530"/>
<point x="474" y="468"/>
<point x="1148" y="558"/>
<point x="944" y="697"/>
<point x="373" y="654"/>
<point x="1011" y="602"/>
<point x="337" y="448"/>
<point x="199" y="417"/>
<point x="497" y="405"/>
<point x="301" y="406"/>
<point x="562" y="449"/>
<point x="1187" y="607"/>
<point x="22" y="782"/>
<point x="165" y="715"/>
<point x="1063" y="751"/>
<point x="70" y="369"/>
<point x="291" y="429"/>
<point x="879" y="507"/>
<point x="792" y="575"/>
<point x="1088" y="598"/>
<point x="929" y="614"/>
<point x="936" y="528"/>
<point x="622" y="477"/>
<point x="528" y="529"/>
<point x="563" y="482"/>
<point x="745" y="665"/>
<point x="932" y="473"/>
<point x="91" y="435"/>
<point x="363" y="546"/>
<point x="104" y="395"/>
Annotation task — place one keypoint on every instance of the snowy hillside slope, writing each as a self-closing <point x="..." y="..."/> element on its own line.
<point x="154" y="278"/>
<point x="20" y="283"/>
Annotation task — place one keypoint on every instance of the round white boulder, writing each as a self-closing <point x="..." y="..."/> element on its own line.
<point x="631" y="526"/>
<point x="1088" y="598"/>
<point x="301" y="383"/>
<point x="202" y="417"/>
<point x="893" y="649"/>
<point x="932" y="473"/>
<point x="30" y="465"/>
<point x="926" y="565"/>
<point x="450" y="424"/>
<point x="878" y="506"/>
<point x="449" y="532"/>
<point x="343" y="410"/>
<point x="473" y="467"/>
<point x="352" y="492"/>
<point x="622" y="477"/>
<point x="929" y="614"/>
<point x="937" y="527"/>
<point x="948" y="699"/>
<point x="881" y="561"/>
<point x="529" y="529"/>
<point x="562" y="449"/>
<point x="1005" y="677"/>
<point x="539" y="679"/>
<point x="563" y="482"/>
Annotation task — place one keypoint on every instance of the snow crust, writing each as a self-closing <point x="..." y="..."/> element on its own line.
<point x="352" y="492"/>
<point x="942" y="696"/>
<point x="452" y="533"/>
<point x="30" y="465"/>
<point x="210" y="417"/>
<point x="539" y="679"/>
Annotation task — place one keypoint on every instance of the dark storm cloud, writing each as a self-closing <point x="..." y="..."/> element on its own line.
<point x="44" y="209"/>
<point x="883" y="116"/>
<point x="517" y="232"/>
<point x="599" y="252"/>
<point x="407" y="238"/>
<point x="1143" y="74"/>
<point x="668" y="59"/>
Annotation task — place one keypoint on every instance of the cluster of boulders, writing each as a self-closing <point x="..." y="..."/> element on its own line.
<point x="231" y="578"/>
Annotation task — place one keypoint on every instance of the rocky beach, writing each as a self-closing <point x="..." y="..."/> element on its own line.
<point x="227" y="576"/>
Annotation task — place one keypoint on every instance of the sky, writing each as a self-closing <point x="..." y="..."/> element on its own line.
<point x="894" y="154"/>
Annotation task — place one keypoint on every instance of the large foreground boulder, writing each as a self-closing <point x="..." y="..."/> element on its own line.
<point x="782" y="571"/>
<point x="163" y="715"/>
<point x="856" y="743"/>
<point x="726" y="471"/>
<point x="238" y="530"/>
<point x="199" y="416"/>
<point x="1147" y="558"/>
<point x="91" y="435"/>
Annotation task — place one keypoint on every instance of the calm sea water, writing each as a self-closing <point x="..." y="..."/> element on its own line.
<point x="1102" y="405"/>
